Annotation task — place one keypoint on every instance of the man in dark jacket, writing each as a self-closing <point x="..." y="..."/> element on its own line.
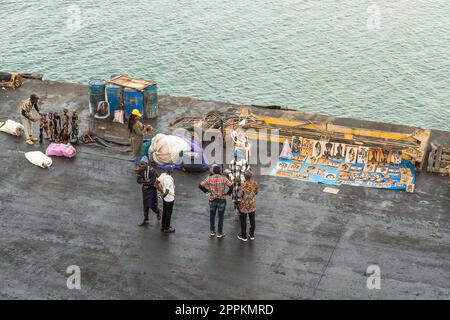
<point x="147" y="177"/>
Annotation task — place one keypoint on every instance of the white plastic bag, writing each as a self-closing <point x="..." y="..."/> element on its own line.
<point x="12" y="127"/>
<point x="118" y="116"/>
<point x="38" y="159"/>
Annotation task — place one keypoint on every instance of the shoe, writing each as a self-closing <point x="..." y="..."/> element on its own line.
<point x="29" y="142"/>
<point x="158" y="216"/>
<point x="34" y="139"/>
<point x="170" y="230"/>
<point x="241" y="238"/>
<point x="212" y="234"/>
<point x="252" y="238"/>
<point x="220" y="235"/>
<point x="145" y="222"/>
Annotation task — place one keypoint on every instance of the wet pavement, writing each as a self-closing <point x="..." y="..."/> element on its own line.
<point x="309" y="244"/>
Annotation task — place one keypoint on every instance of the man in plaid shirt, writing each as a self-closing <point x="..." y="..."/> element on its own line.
<point x="218" y="187"/>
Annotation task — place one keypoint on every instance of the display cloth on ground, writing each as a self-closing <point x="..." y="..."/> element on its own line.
<point x="338" y="164"/>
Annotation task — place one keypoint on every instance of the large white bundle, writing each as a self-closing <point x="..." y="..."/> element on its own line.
<point x="12" y="127"/>
<point x="38" y="159"/>
<point x="166" y="149"/>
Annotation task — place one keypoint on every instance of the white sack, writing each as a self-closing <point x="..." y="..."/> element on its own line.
<point x="38" y="159"/>
<point x="166" y="149"/>
<point x="12" y="127"/>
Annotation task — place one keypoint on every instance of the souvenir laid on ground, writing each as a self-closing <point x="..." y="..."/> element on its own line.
<point x="331" y="190"/>
<point x="296" y="144"/>
<point x="363" y="155"/>
<point x="60" y="150"/>
<point x="370" y="167"/>
<point x="380" y="155"/>
<point x="298" y="157"/>
<point x="330" y="176"/>
<point x="328" y="148"/>
<point x="372" y="155"/>
<point x="396" y="157"/>
<point x="12" y="127"/>
<point x="38" y="159"/>
<point x="352" y="153"/>
<point x="338" y="172"/>
<point x="307" y="147"/>
<point x="295" y="167"/>
<point x="286" y="152"/>
<point x="381" y="169"/>
<point x="317" y="149"/>
<point x="339" y="151"/>
<point x="333" y="164"/>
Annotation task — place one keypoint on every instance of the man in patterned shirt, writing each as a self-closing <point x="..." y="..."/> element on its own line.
<point x="27" y="119"/>
<point x="218" y="187"/>
<point x="237" y="167"/>
<point x="247" y="206"/>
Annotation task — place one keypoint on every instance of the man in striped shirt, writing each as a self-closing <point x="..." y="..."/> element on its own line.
<point x="27" y="119"/>
<point x="218" y="187"/>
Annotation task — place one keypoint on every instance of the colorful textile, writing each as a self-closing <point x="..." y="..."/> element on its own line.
<point x="248" y="193"/>
<point x="217" y="186"/>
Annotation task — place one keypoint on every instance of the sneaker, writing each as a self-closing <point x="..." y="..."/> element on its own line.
<point x="241" y="238"/>
<point x="29" y="142"/>
<point x="252" y="238"/>
<point x="170" y="230"/>
<point x="220" y="235"/>
<point x="212" y="234"/>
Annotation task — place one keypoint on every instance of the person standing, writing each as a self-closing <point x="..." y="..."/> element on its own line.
<point x="147" y="177"/>
<point x="27" y="118"/>
<point x="247" y="206"/>
<point x="217" y="186"/>
<point x="237" y="168"/>
<point x="166" y="186"/>
<point x="137" y="129"/>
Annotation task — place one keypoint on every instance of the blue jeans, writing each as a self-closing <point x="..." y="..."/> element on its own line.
<point x="214" y="206"/>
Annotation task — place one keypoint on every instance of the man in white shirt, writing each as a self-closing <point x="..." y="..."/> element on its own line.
<point x="166" y="185"/>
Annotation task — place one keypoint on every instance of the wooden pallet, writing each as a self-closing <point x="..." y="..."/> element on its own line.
<point x="439" y="159"/>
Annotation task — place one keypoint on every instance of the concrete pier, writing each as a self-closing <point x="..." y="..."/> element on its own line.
<point x="309" y="244"/>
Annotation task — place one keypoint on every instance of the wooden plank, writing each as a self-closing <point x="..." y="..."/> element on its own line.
<point x="133" y="83"/>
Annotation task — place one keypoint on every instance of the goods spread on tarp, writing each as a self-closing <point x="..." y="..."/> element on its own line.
<point x="336" y="163"/>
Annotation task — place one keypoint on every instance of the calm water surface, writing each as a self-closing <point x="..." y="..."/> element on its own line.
<point x="380" y="59"/>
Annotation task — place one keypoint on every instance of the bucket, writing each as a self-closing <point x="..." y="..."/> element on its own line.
<point x="96" y="95"/>
<point x="132" y="99"/>
<point x="114" y="97"/>
<point x="151" y="102"/>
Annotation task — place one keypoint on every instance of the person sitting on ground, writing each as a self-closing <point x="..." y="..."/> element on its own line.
<point x="166" y="185"/>
<point x="217" y="185"/>
<point x="27" y="118"/>
<point x="247" y="206"/>
<point x="147" y="177"/>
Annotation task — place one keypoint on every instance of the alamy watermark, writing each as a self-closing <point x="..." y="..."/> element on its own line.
<point x="74" y="279"/>
<point x="374" y="18"/>
<point x="374" y="277"/>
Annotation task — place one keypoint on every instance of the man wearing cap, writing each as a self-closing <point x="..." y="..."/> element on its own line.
<point x="136" y="129"/>
<point x="147" y="177"/>
<point x="166" y="185"/>
<point x="218" y="187"/>
<point x="27" y="119"/>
